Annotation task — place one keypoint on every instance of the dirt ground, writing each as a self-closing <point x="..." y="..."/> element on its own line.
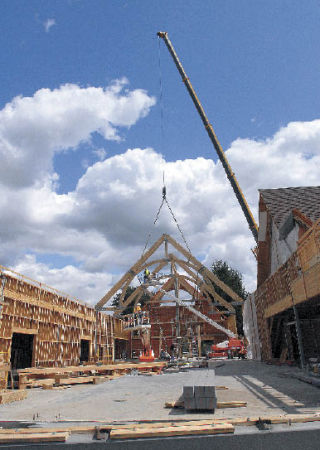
<point x="268" y="390"/>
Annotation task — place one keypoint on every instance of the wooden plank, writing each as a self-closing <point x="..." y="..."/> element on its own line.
<point x="236" y="421"/>
<point x="35" y="437"/>
<point x="139" y="289"/>
<point x="131" y="273"/>
<point x="220" y="405"/>
<point x="174" y="404"/>
<point x="172" y="431"/>
<point x="278" y="307"/>
<point x="41" y="383"/>
<point x="25" y="330"/>
<point x="74" y="380"/>
<point x="148" y="264"/>
<point x="204" y="286"/>
<point x="54" y="429"/>
<point x="233" y="404"/>
<point x="203" y="269"/>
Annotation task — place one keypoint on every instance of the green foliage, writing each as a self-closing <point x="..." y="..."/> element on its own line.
<point x="233" y="279"/>
<point x="129" y="309"/>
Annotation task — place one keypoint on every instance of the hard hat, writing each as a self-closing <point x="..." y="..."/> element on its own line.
<point x="138" y="304"/>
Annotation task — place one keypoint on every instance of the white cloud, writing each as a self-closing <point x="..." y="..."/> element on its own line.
<point x="104" y="222"/>
<point x="49" y="23"/>
<point x="70" y="279"/>
<point x="33" y="129"/>
<point x="100" y="153"/>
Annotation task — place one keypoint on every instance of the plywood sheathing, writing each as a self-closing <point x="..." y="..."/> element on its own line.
<point x="58" y="323"/>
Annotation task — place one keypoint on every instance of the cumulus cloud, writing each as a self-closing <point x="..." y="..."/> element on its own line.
<point x="104" y="222"/>
<point x="33" y="129"/>
<point x="69" y="279"/>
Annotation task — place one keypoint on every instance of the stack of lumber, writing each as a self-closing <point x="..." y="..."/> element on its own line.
<point x="60" y="376"/>
<point x="145" y="429"/>
<point x="9" y="396"/>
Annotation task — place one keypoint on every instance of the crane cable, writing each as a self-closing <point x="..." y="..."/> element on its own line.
<point x="164" y="189"/>
<point x="165" y="200"/>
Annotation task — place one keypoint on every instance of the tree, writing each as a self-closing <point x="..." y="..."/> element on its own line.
<point x="129" y="309"/>
<point x="233" y="279"/>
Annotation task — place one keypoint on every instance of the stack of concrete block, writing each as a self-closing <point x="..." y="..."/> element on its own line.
<point x="199" y="397"/>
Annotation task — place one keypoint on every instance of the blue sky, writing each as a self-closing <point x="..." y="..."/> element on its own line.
<point x="254" y="65"/>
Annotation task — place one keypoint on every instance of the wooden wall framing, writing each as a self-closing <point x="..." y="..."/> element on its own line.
<point x="57" y="322"/>
<point x="295" y="282"/>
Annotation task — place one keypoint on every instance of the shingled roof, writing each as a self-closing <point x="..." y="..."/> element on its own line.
<point x="280" y="202"/>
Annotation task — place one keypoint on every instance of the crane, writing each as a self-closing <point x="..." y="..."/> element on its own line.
<point x="224" y="161"/>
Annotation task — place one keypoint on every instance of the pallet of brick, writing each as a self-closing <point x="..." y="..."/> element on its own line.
<point x="9" y="396"/>
<point x="199" y="398"/>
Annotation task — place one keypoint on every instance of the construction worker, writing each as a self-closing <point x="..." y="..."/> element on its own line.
<point x="137" y="313"/>
<point x="146" y="275"/>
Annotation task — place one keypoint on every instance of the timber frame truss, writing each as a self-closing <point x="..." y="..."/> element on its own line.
<point x="193" y="271"/>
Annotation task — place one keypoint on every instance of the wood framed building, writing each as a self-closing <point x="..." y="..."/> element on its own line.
<point x="287" y="299"/>
<point x="42" y="327"/>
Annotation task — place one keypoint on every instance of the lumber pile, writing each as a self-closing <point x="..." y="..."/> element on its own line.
<point x="54" y="376"/>
<point x="9" y="396"/>
<point x="145" y="429"/>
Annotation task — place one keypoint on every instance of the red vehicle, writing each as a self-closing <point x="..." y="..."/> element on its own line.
<point x="231" y="348"/>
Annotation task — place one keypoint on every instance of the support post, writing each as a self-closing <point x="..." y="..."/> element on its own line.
<point x="199" y="340"/>
<point x="299" y="337"/>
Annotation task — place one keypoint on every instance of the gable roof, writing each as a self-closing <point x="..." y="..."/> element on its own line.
<point x="280" y="202"/>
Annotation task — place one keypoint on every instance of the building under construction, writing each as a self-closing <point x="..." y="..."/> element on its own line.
<point x="283" y="314"/>
<point x="42" y="327"/>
